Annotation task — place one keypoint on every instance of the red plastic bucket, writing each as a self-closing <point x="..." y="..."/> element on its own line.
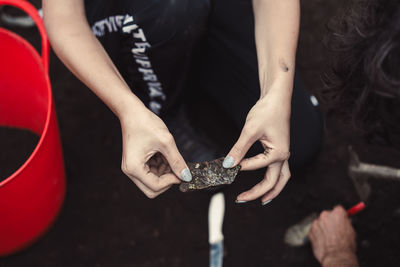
<point x="31" y="198"/>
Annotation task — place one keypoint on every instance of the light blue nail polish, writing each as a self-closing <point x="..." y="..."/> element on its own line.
<point x="228" y="162"/>
<point x="266" y="202"/>
<point x="186" y="175"/>
<point x="240" y="201"/>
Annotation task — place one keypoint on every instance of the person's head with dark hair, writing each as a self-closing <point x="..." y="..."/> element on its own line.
<point x="363" y="81"/>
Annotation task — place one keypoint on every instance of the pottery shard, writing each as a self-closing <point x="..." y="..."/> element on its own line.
<point x="209" y="175"/>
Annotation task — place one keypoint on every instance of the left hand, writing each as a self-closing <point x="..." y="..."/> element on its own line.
<point x="268" y="122"/>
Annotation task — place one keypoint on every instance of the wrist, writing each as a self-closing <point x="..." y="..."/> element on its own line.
<point x="344" y="259"/>
<point x="276" y="77"/>
<point x="281" y="88"/>
<point x="129" y="108"/>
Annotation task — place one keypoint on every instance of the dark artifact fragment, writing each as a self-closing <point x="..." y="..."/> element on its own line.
<point x="209" y="175"/>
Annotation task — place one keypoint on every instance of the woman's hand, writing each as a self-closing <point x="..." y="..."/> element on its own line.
<point x="268" y="122"/>
<point x="144" y="134"/>
<point x="150" y="156"/>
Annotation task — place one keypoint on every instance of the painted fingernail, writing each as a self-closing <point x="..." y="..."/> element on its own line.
<point x="240" y="201"/>
<point x="266" y="202"/>
<point x="228" y="162"/>
<point x="186" y="175"/>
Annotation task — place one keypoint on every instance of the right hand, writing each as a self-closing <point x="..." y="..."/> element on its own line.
<point x="150" y="156"/>
<point x="333" y="239"/>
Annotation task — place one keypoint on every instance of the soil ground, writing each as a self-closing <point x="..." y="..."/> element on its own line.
<point x="107" y="221"/>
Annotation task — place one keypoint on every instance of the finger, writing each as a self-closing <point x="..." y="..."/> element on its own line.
<point x="168" y="169"/>
<point x="312" y="230"/>
<point x="325" y="215"/>
<point x="142" y="172"/>
<point x="147" y="191"/>
<point x="158" y="158"/>
<point x="283" y="179"/>
<point x="311" y="236"/>
<point x="162" y="168"/>
<point x="154" y="182"/>
<point x="324" y="221"/>
<point x="315" y="228"/>
<point x="262" y="160"/>
<point x="154" y="170"/>
<point x="152" y="162"/>
<point x="269" y="181"/>
<point x="175" y="160"/>
<point x="239" y="150"/>
<point x="164" y="160"/>
<point x="340" y="210"/>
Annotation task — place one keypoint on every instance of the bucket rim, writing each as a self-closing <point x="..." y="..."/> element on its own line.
<point x="49" y="109"/>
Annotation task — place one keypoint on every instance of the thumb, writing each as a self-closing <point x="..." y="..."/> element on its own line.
<point x="176" y="162"/>
<point x="239" y="150"/>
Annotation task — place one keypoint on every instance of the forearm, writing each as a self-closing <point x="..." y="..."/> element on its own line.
<point x="276" y="34"/>
<point x="82" y="53"/>
<point x="343" y="260"/>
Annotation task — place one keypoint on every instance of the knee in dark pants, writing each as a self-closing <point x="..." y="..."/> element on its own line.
<point x="306" y="127"/>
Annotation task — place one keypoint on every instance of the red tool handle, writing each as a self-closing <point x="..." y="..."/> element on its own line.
<point x="33" y="13"/>
<point x="356" y="209"/>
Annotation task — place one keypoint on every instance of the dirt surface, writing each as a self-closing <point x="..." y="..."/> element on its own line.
<point x="107" y="221"/>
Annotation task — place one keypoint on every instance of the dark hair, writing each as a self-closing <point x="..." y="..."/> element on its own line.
<point x="363" y="80"/>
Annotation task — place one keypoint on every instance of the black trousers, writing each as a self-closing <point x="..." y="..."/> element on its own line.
<point x="166" y="47"/>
